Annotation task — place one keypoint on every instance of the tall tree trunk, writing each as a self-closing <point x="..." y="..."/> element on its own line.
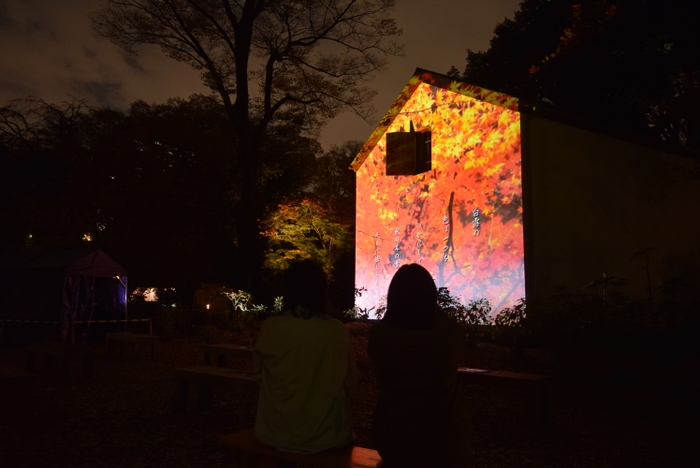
<point x="249" y="146"/>
<point x="248" y="270"/>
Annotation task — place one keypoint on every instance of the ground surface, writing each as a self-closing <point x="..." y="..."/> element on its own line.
<point x="605" y="414"/>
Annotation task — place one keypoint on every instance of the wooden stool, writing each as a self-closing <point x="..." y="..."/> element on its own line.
<point x="139" y="340"/>
<point x="208" y="377"/>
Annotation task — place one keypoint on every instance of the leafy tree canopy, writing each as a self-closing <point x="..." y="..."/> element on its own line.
<point x="303" y="229"/>
<point x="155" y="186"/>
<point x="631" y="63"/>
<point x="333" y="182"/>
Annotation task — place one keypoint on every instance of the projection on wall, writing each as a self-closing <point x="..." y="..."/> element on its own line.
<point x="462" y="218"/>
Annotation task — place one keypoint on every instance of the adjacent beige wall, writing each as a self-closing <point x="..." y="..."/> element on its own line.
<point x="592" y="201"/>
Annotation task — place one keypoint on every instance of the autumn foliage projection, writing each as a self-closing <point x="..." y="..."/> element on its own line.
<point x="463" y="219"/>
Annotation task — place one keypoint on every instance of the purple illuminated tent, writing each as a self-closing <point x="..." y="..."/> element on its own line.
<point x="54" y="289"/>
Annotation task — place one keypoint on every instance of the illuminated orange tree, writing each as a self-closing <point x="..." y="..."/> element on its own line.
<point x="303" y="229"/>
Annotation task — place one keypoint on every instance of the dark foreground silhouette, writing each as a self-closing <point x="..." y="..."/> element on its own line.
<point x="609" y="411"/>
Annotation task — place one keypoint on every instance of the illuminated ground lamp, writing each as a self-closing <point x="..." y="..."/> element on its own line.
<point x="440" y="183"/>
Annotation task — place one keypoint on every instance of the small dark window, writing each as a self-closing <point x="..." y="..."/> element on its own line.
<point x="408" y="153"/>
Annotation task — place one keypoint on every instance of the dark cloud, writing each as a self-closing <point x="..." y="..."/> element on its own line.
<point x="12" y="88"/>
<point x="100" y="93"/>
<point x="48" y="49"/>
<point x="42" y="30"/>
<point x="5" y="20"/>
<point x="133" y="62"/>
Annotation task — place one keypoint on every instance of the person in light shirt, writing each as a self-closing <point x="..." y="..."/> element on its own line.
<point x="305" y="366"/>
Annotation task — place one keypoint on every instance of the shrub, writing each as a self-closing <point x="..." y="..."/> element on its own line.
<point x="358" y="313"/>
<point x="178" y="320"/>
<point x="510" y="327"/>
<point x="471" y="316"/>
<point x="512" y="316"/>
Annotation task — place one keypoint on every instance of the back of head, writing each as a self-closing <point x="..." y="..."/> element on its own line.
<point x="412" y="298"/>
<point x="305" y="289"/>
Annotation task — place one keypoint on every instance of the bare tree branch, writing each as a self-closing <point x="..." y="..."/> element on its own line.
<point x="265" y="59"/>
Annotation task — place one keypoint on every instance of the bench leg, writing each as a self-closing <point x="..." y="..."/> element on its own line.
<point x="182" y="396"/>
<point x="122" y="345"/>
<point x="255" y="460"/>
<point x="205" y="397"/>
<point x="545" y="408"/>
<point x="538" y="406"/>
<point x="88" y="366"/>
<point x="207" y="358"/>
<point x="50" y="362"/>
<point x="221" y="361"/>
<point x="31" y="360"/>
<point x="248" y="460"/>
<point x="269" y="461"/>
<point x="64" y="365"/>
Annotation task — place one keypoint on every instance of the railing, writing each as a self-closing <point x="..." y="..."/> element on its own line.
<point x="72" y="324"/>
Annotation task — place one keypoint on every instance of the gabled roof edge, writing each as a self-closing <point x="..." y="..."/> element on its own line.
<point x="434" y="79"/>
<point x="384" y="124"/>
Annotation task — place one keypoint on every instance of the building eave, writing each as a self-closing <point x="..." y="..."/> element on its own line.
<point x="434" y="79"/>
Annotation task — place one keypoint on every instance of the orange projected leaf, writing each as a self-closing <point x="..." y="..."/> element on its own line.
<point x="463" y="219"/>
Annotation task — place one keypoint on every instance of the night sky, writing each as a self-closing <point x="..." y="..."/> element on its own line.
<point x="48" y="49"/>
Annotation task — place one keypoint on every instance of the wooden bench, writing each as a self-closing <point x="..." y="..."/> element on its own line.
<point x="208" y="377"/>
<point x="61" y="355"/>
<point x="536" y="387"/>
<point x="139" y="341"/>
<point x="249" y="451"/>
<point x="223" y="350"/>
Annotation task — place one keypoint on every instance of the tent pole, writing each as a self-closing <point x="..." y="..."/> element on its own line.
<point x="126" y="305"/>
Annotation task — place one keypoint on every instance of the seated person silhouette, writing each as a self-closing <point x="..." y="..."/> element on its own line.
<point x="305" y="366"/>
<point x="418" y="420"/>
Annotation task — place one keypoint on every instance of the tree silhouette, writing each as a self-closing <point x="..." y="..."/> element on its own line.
<point x="154" y="186"/>
<point x="633" y="64"/>
<point x="301" y="60"/>
<point x="333" y="182"/>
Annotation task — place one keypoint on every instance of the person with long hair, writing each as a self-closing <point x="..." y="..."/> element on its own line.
<point x="305" y="366"/>
<point x="419" y="420"/>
